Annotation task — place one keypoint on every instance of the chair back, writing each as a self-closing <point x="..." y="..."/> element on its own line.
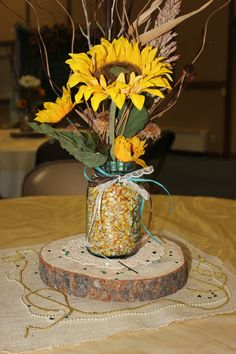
<point x="62" y="177"/>
<point x="51" y="150"/>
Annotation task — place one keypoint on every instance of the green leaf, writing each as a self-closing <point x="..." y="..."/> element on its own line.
<point x="42" y="128"/>
<point x="83" y="148"/>
<point x="104" y="149"/>
<point x="89" y="158"/>
<point x="71" y="138"/>
<point x="136" y="122"/>
<point x="92" y="139"/>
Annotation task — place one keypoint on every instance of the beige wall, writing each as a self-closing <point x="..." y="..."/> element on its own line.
<point x="54" y="13"/>
<point x="202" y="108"/>
<point x="212" y="64"/>
<point x="197" y="111"/>
<point x="8" y="19"/>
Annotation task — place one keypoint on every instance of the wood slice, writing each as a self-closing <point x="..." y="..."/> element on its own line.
<point x="147" y="281"/>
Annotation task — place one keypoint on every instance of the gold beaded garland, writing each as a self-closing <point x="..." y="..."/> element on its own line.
<point x="203" y="268"/>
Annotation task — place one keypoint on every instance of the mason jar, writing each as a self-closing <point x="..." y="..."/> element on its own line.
<point x="113" y="227"/>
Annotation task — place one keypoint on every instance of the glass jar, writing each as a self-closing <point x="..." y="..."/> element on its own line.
<point x="113" y="212"/>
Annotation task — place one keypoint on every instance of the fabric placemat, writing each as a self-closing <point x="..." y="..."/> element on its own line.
<point x="36" y="317"/>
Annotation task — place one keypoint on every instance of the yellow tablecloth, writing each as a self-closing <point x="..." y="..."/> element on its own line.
<point x="17" y="157"/>
<point x="208" y="223"/>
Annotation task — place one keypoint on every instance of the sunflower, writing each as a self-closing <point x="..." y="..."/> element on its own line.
<point x="55" y="112"/>
<point x="118" y="70"/>
<point x="129" y="149"/>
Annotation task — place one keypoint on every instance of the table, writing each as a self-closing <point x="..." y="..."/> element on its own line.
<point x="17" y="157"/>
<point x="208" y="223"/>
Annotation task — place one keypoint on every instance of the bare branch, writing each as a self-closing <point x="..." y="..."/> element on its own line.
<point x="121" y="18"/>
<point x="88" y="23"/>
<point x="44" y="47"/>
<point x="112" y="19"/>
<point x="83" y="33"/>
<point x="101" y="28"/>
<point x="72" y="25"/>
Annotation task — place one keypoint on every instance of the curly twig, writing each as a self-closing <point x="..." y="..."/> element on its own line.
<point x="72" y="25"/>
<point x="44" y="47"/>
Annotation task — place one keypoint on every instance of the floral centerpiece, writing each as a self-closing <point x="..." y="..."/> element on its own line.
<point x="115" y="78"/>
<point x="119" y="88"/>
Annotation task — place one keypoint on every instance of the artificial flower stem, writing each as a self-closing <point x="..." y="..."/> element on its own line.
<point x="125" y="122"/>
<point x="112" y="128"/>
<point x="123" y="119"/>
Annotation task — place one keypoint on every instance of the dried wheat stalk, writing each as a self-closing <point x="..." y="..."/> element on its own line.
<point x="165" y="42"/>
<point x="154" y="33"/>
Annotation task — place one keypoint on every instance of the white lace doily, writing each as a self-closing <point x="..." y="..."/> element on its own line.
<point x="53" y="319"/>
<point x="77" y="251"/>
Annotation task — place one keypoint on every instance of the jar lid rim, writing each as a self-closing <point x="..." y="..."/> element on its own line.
<point x="118" y="166"/>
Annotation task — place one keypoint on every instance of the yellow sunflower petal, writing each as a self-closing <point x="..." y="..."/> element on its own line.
<point x="88" y="91"/>
<point x="55" y="112"/>
<point x="122" y="85"/>
<point x="159" y="82"/>
<point x="79" y="95"/>
<point x="112" y="92"/>
<point x="79" y="60"/>
<point x="99" y="51"/>
<point x="166" y="82"/>
<point x="120" y="100"/>
<point x="140" y="162"/>
<point x="138" y="100"/>
<point x="74" y="79"/>
<point x="137" y="59"/>
<point x="121" y="77"/>
<point x="146" y="71"/>
<point x="103" y="82"/>
<point x="155" y="92"/>
<point x="129" y="149"/>
<point x="49" y="105"/>
<point x="97" y="99"/>
<point x="122" y="149"/>
<point x="132" y="78"/>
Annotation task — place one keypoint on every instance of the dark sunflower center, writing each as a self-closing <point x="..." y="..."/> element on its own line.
<point x="112" y="71"/>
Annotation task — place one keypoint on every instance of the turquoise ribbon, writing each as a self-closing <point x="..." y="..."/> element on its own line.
<point x="137" y="180"/>
<point x="85" y="174"/>
<point x="104" y="173"/>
